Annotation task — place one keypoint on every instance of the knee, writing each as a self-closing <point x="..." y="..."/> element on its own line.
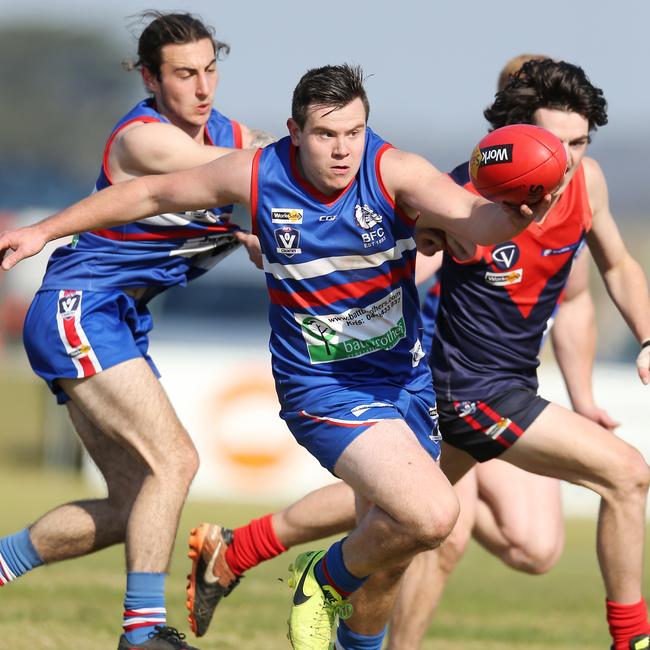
<point x="535" y="556"/>
<point x="436" y="522"/>
<point x="180" y="460"/>
<point x="454" y="546"/>
<point x="632" y="477"/>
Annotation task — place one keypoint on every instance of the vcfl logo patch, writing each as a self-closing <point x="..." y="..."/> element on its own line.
<point x="69" y="305"/>
<point x="505" y="256"/>
<point x="288" y="241"/>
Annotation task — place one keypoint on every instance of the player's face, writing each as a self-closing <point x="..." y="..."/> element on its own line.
<point x="188" y="80"/>
<point x="331" y="145"/>
<point x="572" y="129"/>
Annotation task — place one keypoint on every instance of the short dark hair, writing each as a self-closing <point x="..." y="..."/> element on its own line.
<point x="331" y="85"/>
<point x="165" y="29"/>
<point x="547" y="84"/>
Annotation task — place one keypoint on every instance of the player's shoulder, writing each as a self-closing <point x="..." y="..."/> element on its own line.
<point x="594" y="181"/>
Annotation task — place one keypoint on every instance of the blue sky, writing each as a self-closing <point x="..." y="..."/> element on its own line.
<point x="433" y="64"/>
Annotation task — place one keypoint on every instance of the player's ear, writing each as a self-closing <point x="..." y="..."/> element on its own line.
<point x="149" y="79"/>
<point x="294" y="131"/>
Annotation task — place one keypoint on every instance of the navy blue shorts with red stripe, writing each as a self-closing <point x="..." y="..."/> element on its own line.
<point x="486" y="428"/>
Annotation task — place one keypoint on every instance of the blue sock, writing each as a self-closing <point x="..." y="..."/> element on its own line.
<point x="17" y="556"/>
<point x="332" y="570"/>
<point x="144" y="605"/>
<point x="346" y="639"/>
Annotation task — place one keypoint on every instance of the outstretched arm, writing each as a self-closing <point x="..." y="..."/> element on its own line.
<point x="420" y="188"/>
<point x="223" y="181"/>
<point x="623" y="276"/>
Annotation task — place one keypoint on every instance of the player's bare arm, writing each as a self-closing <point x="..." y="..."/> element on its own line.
<point x="420" y="188"/>
<point x="221" y="182"/>
<point x="147" y="148"/>
<point x="623" y="276"/>
<point x="574" y="342"/>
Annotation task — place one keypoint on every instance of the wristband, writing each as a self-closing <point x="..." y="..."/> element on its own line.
<point x="645" y="344"/>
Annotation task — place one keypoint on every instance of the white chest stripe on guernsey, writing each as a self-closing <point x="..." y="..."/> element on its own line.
<point x="326" y="265"/>
<point x="183" y="218"/>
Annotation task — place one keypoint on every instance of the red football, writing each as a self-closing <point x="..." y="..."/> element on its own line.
<point x="517" y="164"/>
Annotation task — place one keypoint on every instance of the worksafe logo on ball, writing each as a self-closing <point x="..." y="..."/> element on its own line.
<point x="286" y="215"/>
<point x="494" y="155"/>
<point x="288" y="241"/>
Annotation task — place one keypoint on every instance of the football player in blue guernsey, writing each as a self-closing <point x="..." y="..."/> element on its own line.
<point x="335" y="208"/>
<point x="86" y="331"/>
<point x="492" y="324"/>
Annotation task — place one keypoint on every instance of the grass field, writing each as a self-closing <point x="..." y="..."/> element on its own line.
<point x="486" y="606"/>
<point x="79" y="603"/>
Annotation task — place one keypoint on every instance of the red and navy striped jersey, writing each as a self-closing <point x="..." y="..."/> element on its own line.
<point x="494" y="308"/>
<point x="159" y="251"/>
<point x="340" y="275"/>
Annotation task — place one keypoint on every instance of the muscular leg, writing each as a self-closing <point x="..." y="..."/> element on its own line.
<point x="521" y="524"/>
<point x="407" y="516"/>
<point x="426" y="577"/>
<point x="327" y="511"/>
<point x="82" y="527"/>
<point x="565" y="445"/>
<point x="127" y="403"/>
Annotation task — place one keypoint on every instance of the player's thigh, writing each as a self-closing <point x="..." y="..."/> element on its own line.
<point x="565" y="445"/>
<point x="388" y="467"/>
<point x="122" y="471"/>
<point x="128" y="403"/>
<point x="525" y="506"/>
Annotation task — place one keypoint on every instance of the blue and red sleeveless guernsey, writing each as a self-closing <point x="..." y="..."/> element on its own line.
<point x="494" y="307"/>
<point x="156" y="252"/>
<point x="340" y="275"/>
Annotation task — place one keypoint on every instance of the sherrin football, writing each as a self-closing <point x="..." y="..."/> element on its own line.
<point x="519" y="163"/>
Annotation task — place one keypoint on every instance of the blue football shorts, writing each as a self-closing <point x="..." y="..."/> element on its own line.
<point x="76" y="334"/>
<point x="325" y="427"/>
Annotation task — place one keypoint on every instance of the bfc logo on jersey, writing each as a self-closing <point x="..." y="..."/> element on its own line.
<point x="69" y="305"/>
<point x="505" y="256"/>
<point x="288" y="241"/>
<point x="366" y="217"/>
<point x="373" y="233"/>
<point x="286" y="215"/>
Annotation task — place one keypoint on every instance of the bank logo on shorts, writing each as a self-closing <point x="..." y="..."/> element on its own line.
<point x="355" y="332"/>
<point x="288" y="240"/>
<point x="286" y="215"/>
<point x="498" y="428"/>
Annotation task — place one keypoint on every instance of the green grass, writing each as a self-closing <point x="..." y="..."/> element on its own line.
<point x="486" y="605"/>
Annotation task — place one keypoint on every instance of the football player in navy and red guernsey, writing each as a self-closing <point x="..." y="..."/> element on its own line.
<point x="335" y="207"/>
<point x="87" y="330"/>
<point x="494" y="308"/>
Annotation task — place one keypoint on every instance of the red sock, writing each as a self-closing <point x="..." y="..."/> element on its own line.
<point x="626" y="622"/>
<point x="253" y="544"/>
